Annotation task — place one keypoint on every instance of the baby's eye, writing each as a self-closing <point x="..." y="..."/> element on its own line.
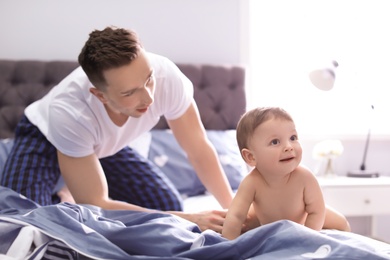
<point x="294" y="138"/>
<point x="275" y="142"/>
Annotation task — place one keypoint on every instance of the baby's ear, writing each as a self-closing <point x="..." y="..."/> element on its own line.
<point x="248" y="157"/>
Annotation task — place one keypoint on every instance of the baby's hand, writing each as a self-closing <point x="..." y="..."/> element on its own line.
<point x="251" y="222"/>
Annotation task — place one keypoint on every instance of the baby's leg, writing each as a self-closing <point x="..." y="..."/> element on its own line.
<point x="335" y="220"/>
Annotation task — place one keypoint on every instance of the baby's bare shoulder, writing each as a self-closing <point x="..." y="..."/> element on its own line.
<point x="302" y="172"/>
<point x="252" y="177"/>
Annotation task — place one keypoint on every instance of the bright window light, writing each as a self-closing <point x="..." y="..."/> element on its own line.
<point x="288" y="39"/>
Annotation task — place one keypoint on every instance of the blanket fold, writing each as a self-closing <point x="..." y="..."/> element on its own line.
<point x="88" y="232"/>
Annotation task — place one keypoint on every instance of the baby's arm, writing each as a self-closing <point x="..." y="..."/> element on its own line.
<point x="314" y="201"/>
<point x="238" y="210"/>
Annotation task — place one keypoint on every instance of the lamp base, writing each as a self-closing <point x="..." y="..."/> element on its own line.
<point x="363" y="174"/>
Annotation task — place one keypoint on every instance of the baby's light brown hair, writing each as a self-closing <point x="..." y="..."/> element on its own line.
<point x="253" y="118"/>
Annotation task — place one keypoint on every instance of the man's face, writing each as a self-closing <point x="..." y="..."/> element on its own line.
<point x="130" y="88"/>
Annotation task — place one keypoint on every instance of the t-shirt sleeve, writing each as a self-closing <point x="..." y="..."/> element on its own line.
<point x="176" y="92"/>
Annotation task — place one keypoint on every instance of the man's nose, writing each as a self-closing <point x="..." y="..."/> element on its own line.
<point x="147" y="96"/>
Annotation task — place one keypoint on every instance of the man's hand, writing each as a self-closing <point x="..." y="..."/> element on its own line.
<point x="213" y="220"/>
<point x="210" y="219"/>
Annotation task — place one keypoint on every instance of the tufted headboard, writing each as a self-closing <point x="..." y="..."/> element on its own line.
<point x="218" y="90"/>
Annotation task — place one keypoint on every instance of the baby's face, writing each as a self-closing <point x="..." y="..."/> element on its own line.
<point x="276" y="147"/>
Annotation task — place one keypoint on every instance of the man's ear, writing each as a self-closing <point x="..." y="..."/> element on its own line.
<point x="99" y="94"/>
<point x="248" y="157"/>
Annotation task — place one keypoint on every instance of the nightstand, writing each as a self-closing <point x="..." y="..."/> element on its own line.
<point x="357" y="196"/>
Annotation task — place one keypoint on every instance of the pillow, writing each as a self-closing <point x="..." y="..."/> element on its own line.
<point x="166" y="153"/>
<point x="5" y="149"/>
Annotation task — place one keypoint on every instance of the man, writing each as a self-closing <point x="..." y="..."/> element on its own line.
<point x="81" y="130"/>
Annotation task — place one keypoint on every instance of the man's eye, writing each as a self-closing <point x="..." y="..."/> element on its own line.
<point x="128" y="94"/>
<point x="150" y="80"/>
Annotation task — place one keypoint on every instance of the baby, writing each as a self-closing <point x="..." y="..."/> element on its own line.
<point x="278" y="187"/>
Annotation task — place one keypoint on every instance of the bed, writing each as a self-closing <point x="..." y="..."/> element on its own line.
<point x="68" y="231"/>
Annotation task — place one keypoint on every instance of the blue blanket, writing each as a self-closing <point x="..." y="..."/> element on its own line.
<point x="30" y="231"/>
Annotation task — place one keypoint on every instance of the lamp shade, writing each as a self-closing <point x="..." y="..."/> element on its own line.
<point x="324" y="78"/>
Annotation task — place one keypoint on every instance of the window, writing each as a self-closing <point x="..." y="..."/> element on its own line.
<point x="288" y="39"/>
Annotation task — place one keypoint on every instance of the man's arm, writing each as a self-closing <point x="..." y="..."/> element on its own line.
<point x="87" y="183"/>
<point x="191" y="135"/>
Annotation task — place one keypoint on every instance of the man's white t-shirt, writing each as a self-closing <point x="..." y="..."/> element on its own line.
<point x="77" y="124"/>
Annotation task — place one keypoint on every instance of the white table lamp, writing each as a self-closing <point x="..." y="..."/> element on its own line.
<point x="324" y="79"/>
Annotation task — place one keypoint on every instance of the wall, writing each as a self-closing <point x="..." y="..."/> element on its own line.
<point x="196" y="31"/>
<point x="199" y="31"/>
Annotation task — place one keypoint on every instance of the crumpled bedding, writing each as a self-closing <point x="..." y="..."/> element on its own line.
<point x="68" y="231"/>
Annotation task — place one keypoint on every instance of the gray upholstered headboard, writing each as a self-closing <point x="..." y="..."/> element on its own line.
<point x="218" y="90"/>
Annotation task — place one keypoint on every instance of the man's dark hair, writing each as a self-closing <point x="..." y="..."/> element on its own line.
<point x="107" y="49"/>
